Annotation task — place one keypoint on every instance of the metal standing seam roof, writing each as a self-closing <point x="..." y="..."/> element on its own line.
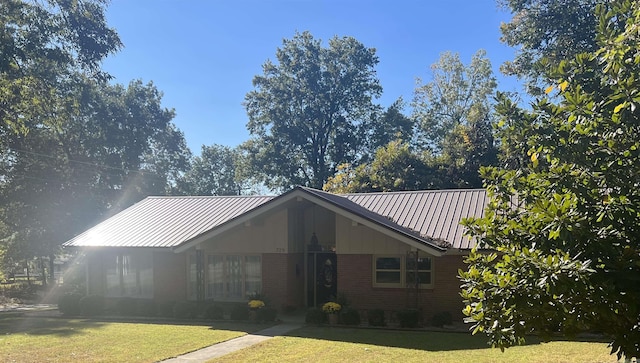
<point x="432" y="213"/>
<point x="165" y="221"/>
<point x="171" y="221"/>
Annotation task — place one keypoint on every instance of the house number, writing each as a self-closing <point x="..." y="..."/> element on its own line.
<point x="279" y="249"/>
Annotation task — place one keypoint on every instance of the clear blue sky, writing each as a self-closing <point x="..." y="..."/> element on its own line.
<point x="204" y="54"/>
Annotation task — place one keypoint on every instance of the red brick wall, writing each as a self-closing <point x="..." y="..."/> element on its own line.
<point x="355" y="280"/>
<point x="169" y="276"/>
<point x="280" y="283"/>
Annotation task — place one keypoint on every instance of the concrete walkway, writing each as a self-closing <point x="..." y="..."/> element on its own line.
<point x="220" y="349"/>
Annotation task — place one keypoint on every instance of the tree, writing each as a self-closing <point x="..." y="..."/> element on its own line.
<point x="454" y="112"/>
<point x="457" y="95"/>
<point x="563" y="219"/>
<point x="42" y="42"/>
<point x="388" y="126"/>
<point x="395" y="167"/>
<point x="306" y="111"/>
<point x="106" y="155"/>
<point x="549" y="30"/>
<point x="213" y="173"/>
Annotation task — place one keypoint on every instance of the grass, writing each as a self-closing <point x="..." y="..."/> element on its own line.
<point x="366" y="345"/>
<point x="26" y="339"/>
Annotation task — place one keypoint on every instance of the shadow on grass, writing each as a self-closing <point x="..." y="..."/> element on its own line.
<point x="17" y="323"/>
<point x="419" y="340"/>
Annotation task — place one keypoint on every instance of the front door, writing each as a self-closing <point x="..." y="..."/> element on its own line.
<point x="322" y="278"/>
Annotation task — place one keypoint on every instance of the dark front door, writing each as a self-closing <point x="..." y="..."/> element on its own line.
<point x="322" y="278"/>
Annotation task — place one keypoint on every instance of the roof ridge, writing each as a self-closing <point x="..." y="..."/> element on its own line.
<point x="417" y="191"/>
<point x="206" y="196"/>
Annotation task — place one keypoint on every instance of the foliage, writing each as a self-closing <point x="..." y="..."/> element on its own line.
<point x="457" y="95"/>
<point x="213" y="312"/>
<point x="376" y="317"/>
<point x="547" y="32"/>
<point x="563" y="217"/>
<point x="239" y="312"/>
<point x="42" y="42"/>
<point x="255" y="304"/>
<point x="409" y="318"/>
<point x="331" y="307"/>
<point x="146" y="307"/>
<point x="307" y="111"/>
<point x="315" y="316"/>
<point x="350" y="316"/>
<point x="185" y="310"/>
<point x="392" y="124"/>
<point x="127" y="306"/>
<point x="441" y="319"/>
<point x="69" y="304"/>
<point x="91" y="305"/>
<point x="214" y="172"/>
<point x="266" y="315"/>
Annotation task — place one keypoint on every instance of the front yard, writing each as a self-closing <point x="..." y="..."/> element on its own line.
<point x="30" y="339"/>
<point x="322" y="344"/>
<point x="84" y="340"/>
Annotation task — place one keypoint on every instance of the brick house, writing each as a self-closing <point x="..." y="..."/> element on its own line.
<point x="382" y="250"/>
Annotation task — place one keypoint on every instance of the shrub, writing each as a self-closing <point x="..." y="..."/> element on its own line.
<point x="91" y="305"/>
<point x="315" y="316"/>
<point x="266" y="314"/>
<point x="165" y="309"/>
<point x="441" y="319"/>
<point x="126" y="306"/>
<point x="239" y="312"/>
<point x="376" y="317"/>
<point x="69" y="304"/>
<point x="185" y="310"/>
<point x="146" y="307"/>
<point x="350" y="316"/>
<point x="409" y="318"/>
<point x="213" y="312"/>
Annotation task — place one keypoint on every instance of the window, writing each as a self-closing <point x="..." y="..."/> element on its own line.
<point x="129" y="275"/>
<point x="401" y="271"/>
<point x="233" y="277"/>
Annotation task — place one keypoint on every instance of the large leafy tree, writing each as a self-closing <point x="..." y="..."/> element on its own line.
<point x="454" y="113"/>
<point x="215" y="172"/>
<point x="547" y="32"/>
<point x="116" y="146"/>
<point x="41" y="43"/>
<point x="563" y="218"/>
<point x="306" y="110"/>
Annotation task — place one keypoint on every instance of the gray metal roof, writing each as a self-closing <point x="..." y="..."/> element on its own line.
<point x="432" y="213"/>
<point x="165" y="221"/>
<point x="428" y="216"/>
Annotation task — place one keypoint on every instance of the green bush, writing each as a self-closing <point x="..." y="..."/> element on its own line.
<point x="146" y="307"/>
<point x="441" y="319"/>
<point x="213" y="312"/>
<point x="376" y="317"/>
<point x="127" y="306"/>
<point x="239" y="312"/>
<point x="91" y="305"/>
<point x="165" y="308"/>
<point x="315" y="316"/>
<point x="409" y="318"/>
<point x="185" y="310"/>
<point x="69" y="304"/>
<point x="350" y="316"/>
<point x="266" y="314"/>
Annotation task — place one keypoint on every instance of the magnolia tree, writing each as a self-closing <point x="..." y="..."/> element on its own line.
<point x="560" y="238"/>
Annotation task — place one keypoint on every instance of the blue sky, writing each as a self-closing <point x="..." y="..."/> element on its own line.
<point x="203" y="54"/>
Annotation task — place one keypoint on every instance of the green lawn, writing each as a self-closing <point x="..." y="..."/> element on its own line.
<point x="82" y="340"/>
<point x="364" y="345"/>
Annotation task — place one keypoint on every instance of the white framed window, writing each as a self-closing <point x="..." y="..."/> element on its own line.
<point x="233" y="277"/>
<point x="129" y="274"/>
<point x="401" y="271"/>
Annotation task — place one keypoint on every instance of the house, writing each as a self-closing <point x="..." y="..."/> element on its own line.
<point x="300" y="249"/>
